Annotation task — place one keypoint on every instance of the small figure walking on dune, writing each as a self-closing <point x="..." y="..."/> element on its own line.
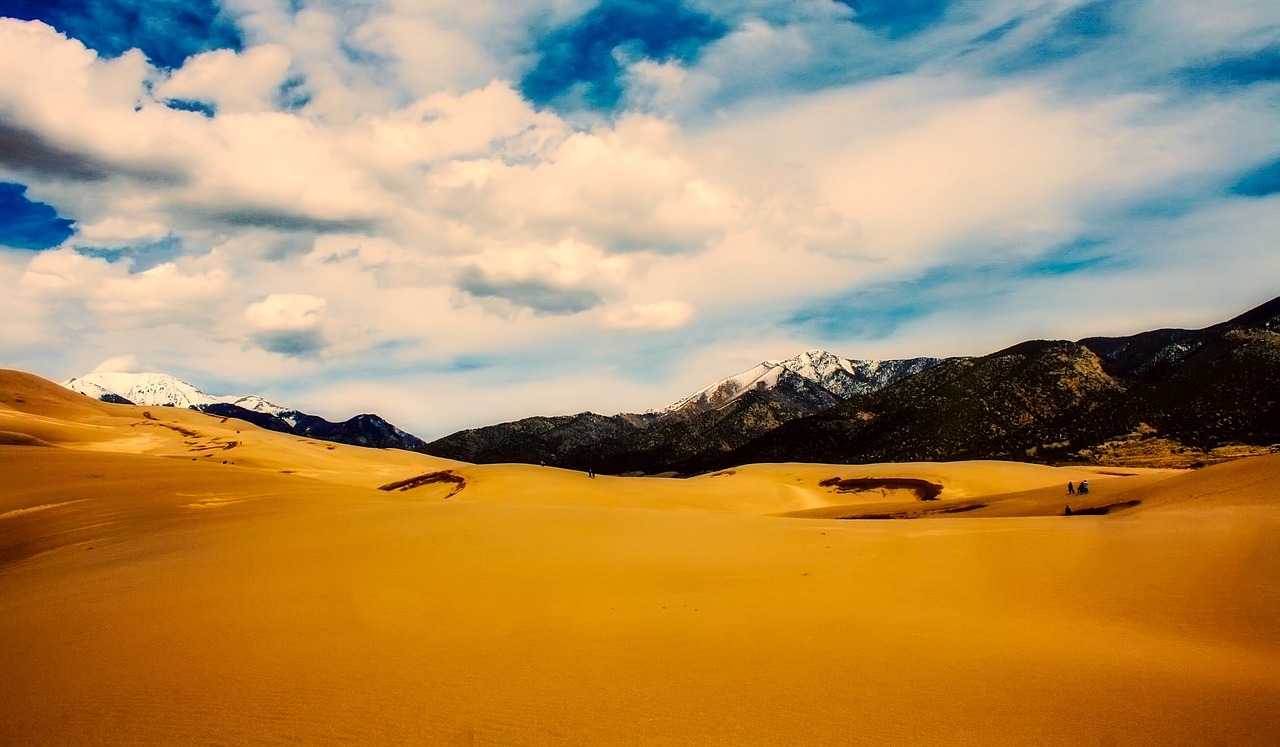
<point x="1084" y="487"/>
<point x="591" y="473"/>
<point x="1071" y="489"/>
<point x="1066" y="511"/>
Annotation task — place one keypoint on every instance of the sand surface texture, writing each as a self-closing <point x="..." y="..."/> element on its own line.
<point x="168" y="577"/>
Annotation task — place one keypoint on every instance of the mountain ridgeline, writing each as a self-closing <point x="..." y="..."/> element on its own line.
<point x="163" y="390"/>
<point x="1168" y="397"/>
<point x="716" y="420"/>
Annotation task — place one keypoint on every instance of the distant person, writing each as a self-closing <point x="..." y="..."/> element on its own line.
<point x="591" y="473"/>
<point x="1071" y="489"/>
<point x="1067" y="511"/>
<point x="1084" y="487"/>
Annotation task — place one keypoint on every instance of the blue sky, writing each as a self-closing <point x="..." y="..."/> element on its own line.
<point x="27" y="224"/>
<point x="457" y="213"/>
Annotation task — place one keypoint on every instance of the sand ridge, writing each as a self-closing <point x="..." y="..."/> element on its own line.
<point x="58" y="417"/>
<point x="159" y="596"/>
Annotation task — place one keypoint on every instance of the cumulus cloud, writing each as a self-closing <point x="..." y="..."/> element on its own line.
<point x="625" y="188"/>
<point x="428" y="56"/>
<point x="288" y="323"/>
<point x="567" y="278"/>
<point x="394" y="166"/>
<point x="661" y="315"/>
<point x="26" y="151"/>
<point x="245" y="81"/>
<point x="118" y="364"/>
<point x="541" y="297"/>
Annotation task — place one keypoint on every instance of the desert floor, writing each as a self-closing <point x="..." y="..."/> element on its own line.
<point x="169" y="577"/>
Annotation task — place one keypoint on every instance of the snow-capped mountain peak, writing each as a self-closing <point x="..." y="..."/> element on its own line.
<point x="763" y="376"/>
<point x="819" y="365"/>
<point x="256" y="404"/>
<point x="155" y="389"/>
<point x="814" y="380"/>
<point x="89" y="389"/>
<point x="161" y="390"/>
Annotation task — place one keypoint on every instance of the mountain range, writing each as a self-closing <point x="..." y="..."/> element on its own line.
<point x="163" y="390"/>
<point x="716" y="419"/>
<point x="811" y="382"/>
<point x="1169" y="397"/>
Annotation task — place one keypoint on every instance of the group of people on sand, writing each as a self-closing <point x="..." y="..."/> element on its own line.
<point x="1073" y="489"/>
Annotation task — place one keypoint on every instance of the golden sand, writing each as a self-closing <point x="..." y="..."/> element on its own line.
<point x="152" y="594"/>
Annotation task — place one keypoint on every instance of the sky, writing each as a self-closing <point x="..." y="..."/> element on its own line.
<point x="457" y="213"/>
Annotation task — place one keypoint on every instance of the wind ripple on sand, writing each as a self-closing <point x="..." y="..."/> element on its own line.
<point x="41" y="507"/>
<point x="214" y="502"/>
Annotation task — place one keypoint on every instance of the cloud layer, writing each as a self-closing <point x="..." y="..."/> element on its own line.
<point x="486" y="206"/>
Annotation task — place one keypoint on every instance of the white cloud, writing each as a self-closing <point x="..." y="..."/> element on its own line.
<point x="286" y="312"/>
<point x="628" y="188"/>
<point x="923" y="166"/>
<point x="120" y="231"/>
<point x="92" y="291"/>
<point x="119" y="364"/>
<point x="61" y="274"/>
<point x="427" y="57"/>
<point x="246" y="81"/>
<point x="661" y="315"/>
<point x="288" y="323"/>
<point x="161" y="294"/>
<point x="26" y="325"/>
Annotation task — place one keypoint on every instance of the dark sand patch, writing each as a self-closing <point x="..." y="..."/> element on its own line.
<point x="9" y="438"/>
<point x="428" y="479"/>
<point x="1104" y="510"/>
<point x="212" y="444"/>
<point x="153" y="420"/>
<point x="924" y="490"/>
<point x="940" y="511"/>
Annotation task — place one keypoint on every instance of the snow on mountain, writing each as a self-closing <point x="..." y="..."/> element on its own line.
<point x="155" y="389"/>
<point x="813" y="380"/>
<point x="163" y="390"/>
<point x="763" y="376"/>
<point x="257" y="404"/>
<point x="89" y="389"/>
<point x="834" y="373"/>
<point x="160" y="390"/>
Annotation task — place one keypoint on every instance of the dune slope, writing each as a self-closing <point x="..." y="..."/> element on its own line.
<point x="153" y="595"/>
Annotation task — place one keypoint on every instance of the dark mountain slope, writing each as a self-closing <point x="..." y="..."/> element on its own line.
<point x="685" y="443"/>
<point x="1186" y="392"/>
<point x="261" y="419"/>
<point x="693" y="431"/>
<point x="361" y="430"/>
<point x="532" y="440"/>
<point x="1150" y="356"/>
<point x="1228" y="391"/>
<point x="997" y="406"/>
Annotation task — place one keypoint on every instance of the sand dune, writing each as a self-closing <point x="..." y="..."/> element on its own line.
<point x="154" y="595"/>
